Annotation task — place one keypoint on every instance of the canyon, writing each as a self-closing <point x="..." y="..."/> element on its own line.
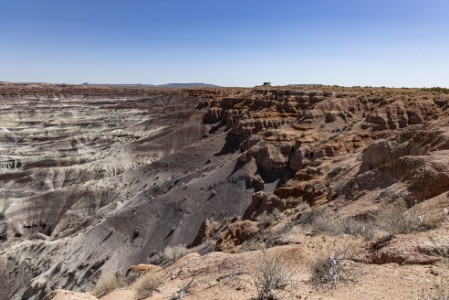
<point x="97" y="179"/>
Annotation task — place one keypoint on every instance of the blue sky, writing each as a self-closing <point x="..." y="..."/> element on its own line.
<point x="230" y="43"/>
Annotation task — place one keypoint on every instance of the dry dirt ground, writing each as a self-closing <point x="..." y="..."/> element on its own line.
<point x="94" y="180"/>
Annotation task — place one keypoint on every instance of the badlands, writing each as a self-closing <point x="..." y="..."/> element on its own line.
<point x="311" y="192"/>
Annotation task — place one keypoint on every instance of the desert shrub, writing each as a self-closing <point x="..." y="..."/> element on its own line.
<point x="169" y="255"/>
<point x="393" y="218"/>
<point x="338" y="189"/>
<point x="272" y="275"/>
<point x="276" y="214"/>
<point x="326" y="225"/>
<point x="320" y="223"/>
<point x="366" y="229"/>
<point x="440" y="289"/>
<point x="146" y="285"/>
<point x="108" y="283"/>
<point x="308" y="217"/>
<point x="301" y="207"/>
<point x="256" y="242"/>
<point x="266" y="219"/>
<point x="282" y="236"/>
<point x="328" y="270"/>
<point x="441" y="285"/>
<point x="396" y="218"/>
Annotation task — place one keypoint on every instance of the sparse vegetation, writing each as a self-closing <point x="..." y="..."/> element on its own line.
<point x="169" y="255"/>
<point x="255" y="243"/>
<point x="329" y="270"/>
<point x="326" y="225"/>
<point x="338" y="189"/>
<point x="147" y="284"/>
<point x="441" y="285"/>
<point x="266" y="219"/>
<point x="440" y="289"/>
<point x="282" y="236"/>
<point x="366" y="229"/>
<point x="321" y="223"/>
<point x="396" y="218"/>
<point x="272" y="275"/>
<point x="108" y="283"/>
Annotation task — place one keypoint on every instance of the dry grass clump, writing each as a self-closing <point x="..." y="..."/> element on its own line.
<point x="266" y="219"/>
<point x="396" y="218"/>
<point x="441" y="285"/>
<point x="282" y="236"/>
<point x="330" y="269"/>
<point x="146" y="285"/>
<point x="320" y="223"/>
<point x="440" y="290"/>
<point x="365" y="229"/>
<point x="326" y="225"/>
<point x="254" y="243"/>
<point x="272" y="275"/>
<point x="351" y="226"/>
<point x="169" y="255"/>
<point x="107" y="284"/>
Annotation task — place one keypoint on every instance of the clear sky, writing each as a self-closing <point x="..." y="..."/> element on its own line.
<point x="229" y="42"/>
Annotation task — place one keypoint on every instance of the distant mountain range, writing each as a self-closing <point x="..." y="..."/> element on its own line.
<point x="170" y="85"/>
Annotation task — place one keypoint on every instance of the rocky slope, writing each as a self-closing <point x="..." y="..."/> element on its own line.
<point x="96" y="179"/>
